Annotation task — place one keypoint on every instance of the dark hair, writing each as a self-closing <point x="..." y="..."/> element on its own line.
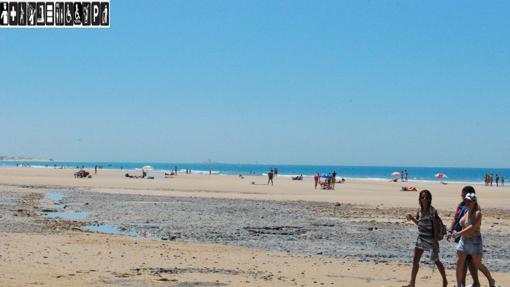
<point x="426" y="192"/>
<point x="476" y="207"/>
<point x="468" y="189"/>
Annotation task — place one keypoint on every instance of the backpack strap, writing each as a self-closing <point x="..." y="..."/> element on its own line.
<point x="433" y="212"/>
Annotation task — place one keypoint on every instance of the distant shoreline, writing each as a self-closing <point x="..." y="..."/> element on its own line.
<point x="455" y="175"/>
<point x="25" y="160"/>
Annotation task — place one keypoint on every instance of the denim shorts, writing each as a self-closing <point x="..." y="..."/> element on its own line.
<point x="471" y="246"/>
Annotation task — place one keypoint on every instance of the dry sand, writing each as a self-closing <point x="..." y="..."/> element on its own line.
<point x="61" y="256"/>
<point x="363" y="192"/>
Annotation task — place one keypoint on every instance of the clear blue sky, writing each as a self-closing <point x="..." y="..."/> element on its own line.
<point x="423" y="83"/>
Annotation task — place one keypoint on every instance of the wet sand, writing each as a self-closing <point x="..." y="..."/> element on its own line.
<point x="200" y="230"/>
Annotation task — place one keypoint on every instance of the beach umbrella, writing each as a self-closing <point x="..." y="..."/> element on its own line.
<point x="440" y="175"/>
<point x="395" y="174"/>
<point x="147" y="168"/>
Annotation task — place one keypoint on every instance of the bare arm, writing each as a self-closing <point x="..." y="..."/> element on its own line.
<point x="435" y="227"/>
<point x="454" y="221"/>
<point x="452" y="225"/>
<point x="410" y="217"/>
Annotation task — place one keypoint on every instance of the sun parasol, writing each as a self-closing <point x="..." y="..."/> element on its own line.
<point x="440" y="175"/>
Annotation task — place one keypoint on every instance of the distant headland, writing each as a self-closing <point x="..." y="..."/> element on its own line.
<point x="22" y="158"/>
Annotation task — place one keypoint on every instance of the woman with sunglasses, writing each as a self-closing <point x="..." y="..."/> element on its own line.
<point x="428" y="236"/>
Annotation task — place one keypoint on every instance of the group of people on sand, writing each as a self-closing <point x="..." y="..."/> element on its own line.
<point x="464" y="229"/>
<point x="144" y="174"/>
<point x="82" y="174"/>
<point x="404" y="175"/>
<point x="490" y="178"/>
<point x="329" y="180"/>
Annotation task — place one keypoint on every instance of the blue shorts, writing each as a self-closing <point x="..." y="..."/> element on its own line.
<point x="471" y="246"/>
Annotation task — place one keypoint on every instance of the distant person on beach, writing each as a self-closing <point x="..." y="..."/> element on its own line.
<point x="497" y="180"/>
<point x="455" y="226"/>
<point x="333" y="179"/>
<point x="428" y="236"/>
<point x="270" y="177"/>
<point x="405" y="175"/>
<point x="95" y="169"/>
<point x="502" y="181"/>
<point x="316" y="179"/>
<point x="470" y="242"/>
<point x="275" y="172"/>
<point x="402" y="176"/>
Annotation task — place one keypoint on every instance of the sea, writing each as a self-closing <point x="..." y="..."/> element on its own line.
<point x="380" y="173"/>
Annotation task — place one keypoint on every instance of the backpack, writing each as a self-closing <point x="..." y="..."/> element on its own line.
<point x="441" y="226"/>
<point x="439" y="223"/>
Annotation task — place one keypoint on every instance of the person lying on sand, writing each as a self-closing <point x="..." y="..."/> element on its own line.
<point x="299" y="177"/>
<point x="132" y="176"/>
<point x="410" y="188"/>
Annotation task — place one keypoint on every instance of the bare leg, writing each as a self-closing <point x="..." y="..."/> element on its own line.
<point x="477" y="262"/>
<point x="487" y="274"/>
<point x="461" y="259"/>
<point x="440" y="267"/>
<point x="473" y="270"/>
<point x="416" y="266"/>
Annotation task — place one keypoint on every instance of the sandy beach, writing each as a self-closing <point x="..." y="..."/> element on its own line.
<point x="215" y="230"/>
